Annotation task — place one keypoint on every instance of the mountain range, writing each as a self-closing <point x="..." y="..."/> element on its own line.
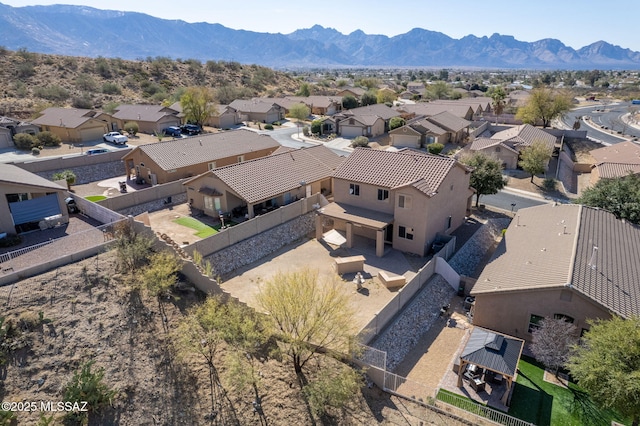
<point x="86" y="31"/>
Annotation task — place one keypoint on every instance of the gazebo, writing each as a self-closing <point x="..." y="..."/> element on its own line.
<point x="495" y="353"/>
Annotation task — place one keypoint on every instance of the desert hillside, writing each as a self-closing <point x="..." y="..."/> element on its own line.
<point x="34" y="81"/>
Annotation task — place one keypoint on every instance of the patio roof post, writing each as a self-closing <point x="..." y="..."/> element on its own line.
<point x="506" y="400"/>
<point x="463" y="363"/>
<point x="379" y="243"/>
<point x="319" y="227"/>
<point x="250" y="212"/>
<point x="349" y="235"/>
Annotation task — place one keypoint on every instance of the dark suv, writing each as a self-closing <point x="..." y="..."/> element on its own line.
<point x="191" y="129"/>
<point x="174" y="131"/>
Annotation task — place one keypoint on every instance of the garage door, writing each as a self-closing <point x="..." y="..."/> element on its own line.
<point x="350" y="132"/>
<point x="34" y="210"/>
<point x="405" y="140"/>
<point x="5" y="140"/>
<point x="92" y="134"/>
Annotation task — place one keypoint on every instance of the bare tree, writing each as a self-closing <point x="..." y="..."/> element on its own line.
<point x="552" y="342"/>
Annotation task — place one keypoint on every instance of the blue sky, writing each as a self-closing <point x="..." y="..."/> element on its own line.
<point x="576" y="23"/>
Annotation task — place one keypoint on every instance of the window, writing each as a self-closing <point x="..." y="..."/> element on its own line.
<point x="212" y="165"/>
<point x="448" y="222"/>
<point x="405" y="232"/>
<point x="534" y="322"/>
<point x="404" y="201"/>
<point x="563" y="317"/>
<point x="383" y="194"/>
<point x="208" y="203"/>
<point x="497" y="149"/>
<point x="354" y="189"/>
<point x="240" y="158"/>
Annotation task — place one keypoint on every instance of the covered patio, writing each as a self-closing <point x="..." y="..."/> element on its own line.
<point x="488" y="360"/>
<point x="372" y="224"/>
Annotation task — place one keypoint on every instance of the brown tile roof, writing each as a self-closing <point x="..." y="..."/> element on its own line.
<point x="267" y="177"/>
<point x="483" y="143"/>
<point x="381" y="110"/>
<point x="365" y="120"/>
<point x="68" y="117"/>
<point x="150" y="113"/>
<point x="256" y="106"/>
<point x="388" y="169"/>
<point x="449" y="121"/>
<point x="552" y="246"/>
<point x="624" y="153"/>
<point x="614" y="282"/>
<point x="525" y="135"/>
<point x="616" y="170"/>
<point x="10" y="174"/>
<point x="429" y="109"/>
<point x="205" y="148"/>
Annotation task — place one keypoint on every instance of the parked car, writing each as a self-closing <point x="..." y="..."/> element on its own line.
<point x="96" y="151"/>
<point x="72" y="207"/>
<point x="115" y="138"/>
<point x="174" y="131"/>
<point x="191" y="129"/>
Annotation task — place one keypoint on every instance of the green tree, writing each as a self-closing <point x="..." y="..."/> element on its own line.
<point x="132" y="248"/>
<point x="349" y="102"/>
<point x="369" y="98"/>
<point x="396" y="122"/>
<point x="498" y="102"/>
<point x="161" y="273"/>
<point x="438" y="90"/>
<point x="486" y="176"/>
<point x="87" y="385"/>
<point x="435" y="148"/>
<point x="131" y="127"/>
<point x="386" y="96"/>
<point x="362" y="141"/>
<point x="607" y="364"/>
<point x="309" y="316"/>
<point x="304" y="90"/>
<point x="316" y="126"/>
<point x="24" y="140"/>
<point x="198" y="104"/>
<point x="300" y="112"/>
<point x="66" y="175"/>
<point x="332" y="390"/>
<point x="534" y="158"/>
<point x="544" y="105"/>
<point x="620" y="196"/>
<point x="48" y="139"/>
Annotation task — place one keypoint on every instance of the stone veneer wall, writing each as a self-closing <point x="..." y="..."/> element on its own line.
<point x="424" y="310"/>
<point x="259" y="246"/>
<point x="90" y="173"/>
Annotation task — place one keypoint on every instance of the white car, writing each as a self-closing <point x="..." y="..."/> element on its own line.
<point x="115" y="138"/>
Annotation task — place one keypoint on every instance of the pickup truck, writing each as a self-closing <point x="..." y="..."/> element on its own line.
<point x="115" y="138"/>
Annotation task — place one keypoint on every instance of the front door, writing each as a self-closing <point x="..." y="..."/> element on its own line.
<point x="388" y="234"/>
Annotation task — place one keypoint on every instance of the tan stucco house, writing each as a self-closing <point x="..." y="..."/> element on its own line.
<point x="150" y="118"/>
<point x="223" y="116"/>
<point x="559" y="261"/>
<point x="176" y="159"/>
<point x="258" y="186"/>
<point x="615" y="161"/>
<point x="421" y="131"/>
<point x="11" y="126"/>
<point x="76" y="125"/>
<point x="26" y="199"/>
<point x="401" y="199"/>
<point x="258" y="110"/>
<point x="507" y="144"/>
